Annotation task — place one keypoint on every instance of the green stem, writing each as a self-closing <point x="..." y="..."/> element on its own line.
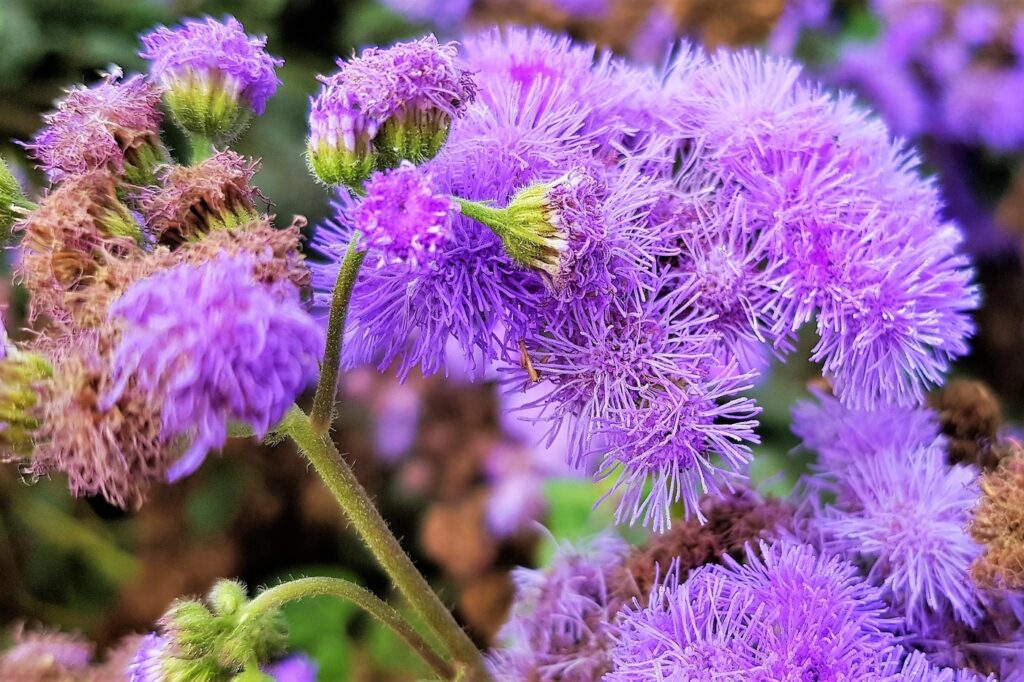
<point x="202" y="148"/>
<point x="311" y="587"/>
<point x="488" y="216"/>
<point x="326" y="389"/>
<point x="373" y="529"/>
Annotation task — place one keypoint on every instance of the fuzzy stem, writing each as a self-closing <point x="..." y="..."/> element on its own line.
<point x="202" y="148"/>
<point x="327" y="387"/>
<point x="301" y="588"/>
<point x="373" y="529"/>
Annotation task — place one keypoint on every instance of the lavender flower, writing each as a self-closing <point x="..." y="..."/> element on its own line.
<point x="561" y="618"/>
<point x="215" y="75"/>
<point x="386" y="106"/>
<point x="787" y="614"/>
<point x="113" y="125"/>
<point x="854" y="233"/>
<point x="904" y="515"/>
<point x="403" y="219"/>
<point x="215" y="346"/>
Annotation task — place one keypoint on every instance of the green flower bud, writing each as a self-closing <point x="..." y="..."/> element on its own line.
<point x="413" y="134"/>
<point x="12" y="202"/>
<point x="20" y="376"/>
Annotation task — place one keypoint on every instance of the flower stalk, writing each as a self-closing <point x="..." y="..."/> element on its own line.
<point x="326" y="389"/>
<point x="353" y="499"/>
<point x="302" y="588"/>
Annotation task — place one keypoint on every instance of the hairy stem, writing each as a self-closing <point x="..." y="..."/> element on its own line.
<point x="202" y="148"/>
<point x="326" y="389"/>
<point x="373" y="529"/>
<point x="311" y="587"/>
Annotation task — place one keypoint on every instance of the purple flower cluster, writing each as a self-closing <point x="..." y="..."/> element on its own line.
<point x="634" y="244"/>
<point x="213" y="54"/>
<point x="237" y="352"/>
<point x="787" y="614"/>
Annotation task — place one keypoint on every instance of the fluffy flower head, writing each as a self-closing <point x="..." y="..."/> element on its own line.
<point x="402" y="217"/>
<point x="215" y="346"/>
<point x="211" y="53"/>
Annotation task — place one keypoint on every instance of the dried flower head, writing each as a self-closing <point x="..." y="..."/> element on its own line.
<point x="998" y="525"/>
<point x="971" y="418"/>
<point x="193" y="201"/>
<point x="112" y="449"/>
<point x="113" y="125"/>
<point x="69" y="241"/>
<point x="215" y="75"/>
<point x="212" y="344"/>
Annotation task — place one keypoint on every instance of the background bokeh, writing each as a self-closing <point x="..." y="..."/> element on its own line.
<point x="426" y="450"/>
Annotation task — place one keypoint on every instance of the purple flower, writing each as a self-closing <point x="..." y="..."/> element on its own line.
<point x="561" y="618"/>
<point x="582" y="8"/>
<point x="516" y="489"/>
<point x="854" y="233"/>
<point x="295" y="668"/>
<point x="147" y="664"/>
<point x="45" y="655"/>
<point x="841" y="435"/>
<point x="787" y="614"/>
<point x="211" y="55"/>
<point x="403" y="218"/>
<point x="113" y="125"/>
<point x="903" y="514"/>
<point x="979" y="107"/>
<point x="640" y="388"/>
<point x="386" y="106"/>
<point x="216" y="346"/>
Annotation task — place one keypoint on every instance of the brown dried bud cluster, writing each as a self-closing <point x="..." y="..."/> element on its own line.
<point x="732" y="522"/>
<point x="970" y="417"/>
<point x="998" y="524"/>
<point x="70" y="240"/>
<point x="117" y="452"/>
<point x="193" y="201"/>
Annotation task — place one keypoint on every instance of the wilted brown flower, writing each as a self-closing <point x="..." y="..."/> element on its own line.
<point x="999" y="525"/>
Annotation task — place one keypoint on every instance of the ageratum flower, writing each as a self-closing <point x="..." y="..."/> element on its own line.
<point x="113" y="125"/>
<point x="404" y="220"/>
<point x="213" y="345"/>
<point x="295" y="668"/>
<point x="216" y="77"/>
<point x="562" y="617"/>
<point x="787" y="614"/>
<point x="904" y="514"/>
<point x="441" y="13"/>
<point x="386" y="106"/>
<point x="854" y="234"/>
<point x="43" y="655"/>
<point x="147" y="663"/>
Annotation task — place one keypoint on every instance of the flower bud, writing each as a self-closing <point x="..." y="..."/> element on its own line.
<point x="385" y="107"/>
<point x="20" y="375"/>
<point x="546" y="226"/>
<point x="216" y="77"/>
<point x="12" y="202"/>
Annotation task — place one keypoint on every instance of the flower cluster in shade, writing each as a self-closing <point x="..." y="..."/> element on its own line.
<point x="444" y="14"/>
<point x="781" y="610"/>
<point x="643" y="242"/>
<point x="948" y="70"/>
<point x="217" y="346"/>
<point x="211" y="53"/>
<point x="885" y="497"/>
<point x="95" y="395"/>
<point x="99" y="127"/>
